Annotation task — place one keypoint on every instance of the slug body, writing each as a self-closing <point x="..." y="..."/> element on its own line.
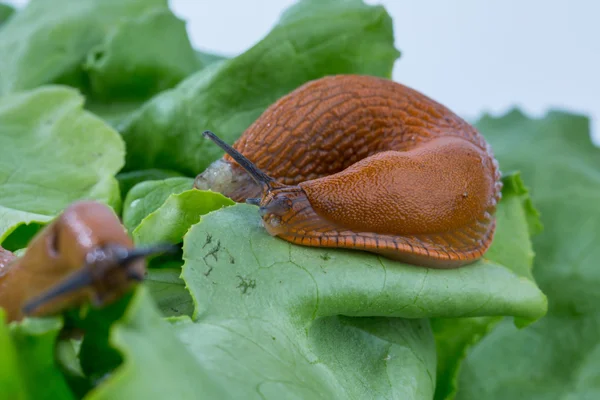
<point x="83" y="255"/>
<point x="366" y="163"/>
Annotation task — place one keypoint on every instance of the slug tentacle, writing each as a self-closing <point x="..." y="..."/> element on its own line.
<point x="101" y="264"/>
<point x="366" y="163"/>
<point x="76" y="281"/>
<point x="262" y="179"/>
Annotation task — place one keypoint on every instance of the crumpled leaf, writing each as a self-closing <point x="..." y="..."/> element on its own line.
<point x="144" y="198"/>
<point x="453" y="338"/>
<point x="52" y="153"/>
<point x="128" y="180"/>
<point x="205" y="58"/>
<point x="558" y="357"/>
<point x="113" y="112"/>
<point x="144" y="56"/>
<point x="12" y="383"/>
<point x="67" y="356"/>
<point x="227" y="97"/>
<point x="171" y="221"/>
<point x="169" y="292"/>
<point x="335" y="357"/>
<point x="39" y="45"/>
<point x="6" y="11"/>
<point x="118" y="52"/>
<point x="27" y="360"/>
<point x="163" y="211"/>
<point x="97" y="357"/>
<point x="156" y="364"/>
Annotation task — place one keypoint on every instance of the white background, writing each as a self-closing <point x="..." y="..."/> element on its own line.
<point x="470" y="55"/>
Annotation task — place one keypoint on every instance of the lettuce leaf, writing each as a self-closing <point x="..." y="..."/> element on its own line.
<point x="52" y="153"/>
<point x="171" y="221"/>
<point x="156" y="364"/>
<point x="163" y="57"/>
<point x="558" y="357"/>
<point x="145" y="197"/>
<point x="6" y="11"/>
<point x="127" y="180"/>
<point x="118" y="52"/>
<point x="27" y="359"/>
<point x="47" y="42"/>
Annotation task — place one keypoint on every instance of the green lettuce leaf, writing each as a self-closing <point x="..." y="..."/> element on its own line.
<point x="27" y="360"/>
<point x="253" y="316"/>
<point x="47" y="42"/>
<point x="334" y="358"/>
<point x="268" y="337"/>
<point x="350" y="37"/>
<point x="52" y="153"/>
<point x="163" y="57"/>
<point x="558" y="357"/>
<point x="156" y="364"/>
<point x="114" y="112"/>
<point x="118" y="52"/>
<point x="217" y="359"/>
<point x="453" y="337"/>
<point x="171" y="221"/>
<point x="144" y="198"/>
<point x="163" y="211"/>
<point x="205" y="58"/>
<point x="169" y="292"/>
<point x="128" y="180"/>
<point x="6" y="11"/>
<point x="12" y="382"/>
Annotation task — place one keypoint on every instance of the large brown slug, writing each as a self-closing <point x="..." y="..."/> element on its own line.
<point x="83" y="255"/>
<point x="366" y="163"/>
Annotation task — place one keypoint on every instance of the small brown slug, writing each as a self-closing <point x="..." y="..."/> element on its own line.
<point x="83" y="255"/>
<point x="366" y="163"/>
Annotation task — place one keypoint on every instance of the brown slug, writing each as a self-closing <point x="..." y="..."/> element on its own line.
<point x="366" y="163"/>
<point x="84" y="255"/>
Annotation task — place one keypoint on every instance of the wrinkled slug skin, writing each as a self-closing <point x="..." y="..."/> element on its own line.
<point x="381" y="168"/>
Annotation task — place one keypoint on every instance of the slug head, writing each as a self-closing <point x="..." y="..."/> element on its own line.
<point x="228" y="179"/>
<point x="84" y="255"/>
<point x="279" y="204"/>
